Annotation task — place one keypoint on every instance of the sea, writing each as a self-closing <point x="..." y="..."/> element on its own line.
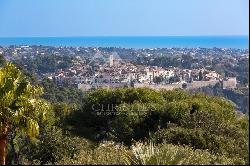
<point x="238" y="42"/>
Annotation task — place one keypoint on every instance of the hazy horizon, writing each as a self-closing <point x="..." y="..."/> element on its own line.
<point x="128" y="36"/>
<point x="134" y="41"/>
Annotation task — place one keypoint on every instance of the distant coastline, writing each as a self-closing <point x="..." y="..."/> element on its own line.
<point x="238" y="42"/>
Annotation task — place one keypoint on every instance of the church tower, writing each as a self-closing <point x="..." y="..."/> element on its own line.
<point x="111" y="60"/>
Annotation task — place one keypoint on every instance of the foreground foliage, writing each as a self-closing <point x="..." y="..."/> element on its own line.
<point x="147" y="154"/>
<point x="20" y="106"/>
<point x="175" y="117"/>
<point x="122" y="126"/>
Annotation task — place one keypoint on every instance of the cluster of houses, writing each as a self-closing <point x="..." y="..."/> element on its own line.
<point x="120" y="73"/>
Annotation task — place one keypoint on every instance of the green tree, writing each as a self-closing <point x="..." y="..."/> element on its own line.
<point x="20" y="106"/>
<point x="158" y="79"/>
<point x="200" y="75"/>
<point x="2" y="60"/>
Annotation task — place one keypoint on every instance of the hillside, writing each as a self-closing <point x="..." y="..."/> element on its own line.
<point x="124" y="126"/>
<point x="239" y="96"/>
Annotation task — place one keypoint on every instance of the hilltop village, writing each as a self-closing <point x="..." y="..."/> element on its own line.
<point x="119" y="73"/>
<point x="88" y="68"/>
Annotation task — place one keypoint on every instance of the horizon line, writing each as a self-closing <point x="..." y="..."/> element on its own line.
<point x="246" y="35"/>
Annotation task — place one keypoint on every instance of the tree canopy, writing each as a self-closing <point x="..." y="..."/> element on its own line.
<point x="20" y="105"/>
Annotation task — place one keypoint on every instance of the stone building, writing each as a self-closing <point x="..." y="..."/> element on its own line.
<point x="229" y="83"/>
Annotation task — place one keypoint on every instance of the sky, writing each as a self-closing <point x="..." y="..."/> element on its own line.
<point x="60" y="18"/>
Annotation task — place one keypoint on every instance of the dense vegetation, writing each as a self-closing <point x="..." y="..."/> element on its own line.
<point x="241" y="70"/>
<point x="44" y="64"/>
<point x="20" y="106"/>
<point x="2" y="60"/>
<point x="182" y="61"/>
<point x="60" y="94"/>
<point x="134" y="126"/>
<point x="239" y="96"/>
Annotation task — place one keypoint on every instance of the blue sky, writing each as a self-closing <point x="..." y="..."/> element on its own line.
<point x="42" y="18"/>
